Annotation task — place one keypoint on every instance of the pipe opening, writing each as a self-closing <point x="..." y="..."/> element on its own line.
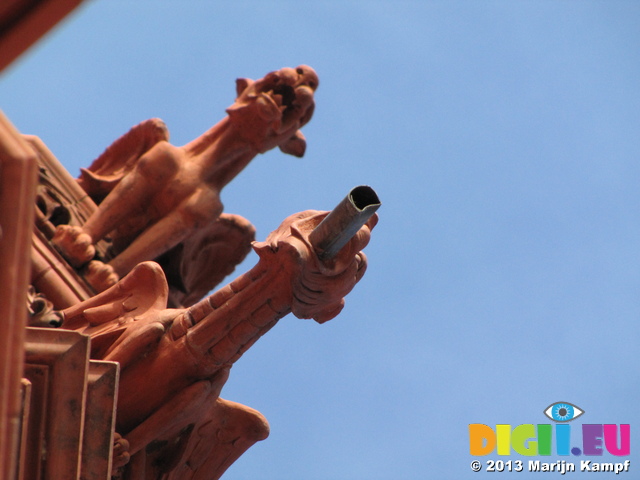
<point x="363" y="197"/>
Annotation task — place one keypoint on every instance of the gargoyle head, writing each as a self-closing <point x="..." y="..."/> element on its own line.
<point x="317" y="288"/>
<point x="269" y="112"/>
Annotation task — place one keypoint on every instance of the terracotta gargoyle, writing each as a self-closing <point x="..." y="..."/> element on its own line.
<point x="174" y="362"/>
<point x="156" y="195"/>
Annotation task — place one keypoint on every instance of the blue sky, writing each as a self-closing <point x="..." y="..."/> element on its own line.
<point x="503" y="140"/>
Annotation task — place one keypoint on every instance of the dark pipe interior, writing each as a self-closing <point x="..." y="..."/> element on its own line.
<point x="364" y="196"/>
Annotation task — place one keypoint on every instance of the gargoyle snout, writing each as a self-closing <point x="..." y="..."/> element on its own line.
<point x="302" y="75"/>
<point x="307" y="76"/>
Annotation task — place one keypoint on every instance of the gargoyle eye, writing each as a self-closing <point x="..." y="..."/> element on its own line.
<point x="563" y="412"/>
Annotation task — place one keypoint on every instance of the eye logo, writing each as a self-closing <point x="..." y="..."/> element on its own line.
<point x="563" y="412"/>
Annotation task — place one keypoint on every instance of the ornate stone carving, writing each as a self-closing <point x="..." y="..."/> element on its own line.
<point x="174" y="362"/>
<point x="41" y="310"/>
<point x="157" y="195"/>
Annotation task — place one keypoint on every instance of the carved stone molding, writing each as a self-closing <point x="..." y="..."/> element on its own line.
<point x="56" y="363"/>
<point x="100" y="420"/>
<point x="17" y="193"/>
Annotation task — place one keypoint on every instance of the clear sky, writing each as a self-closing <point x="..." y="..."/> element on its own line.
<point x="503" y="139"/>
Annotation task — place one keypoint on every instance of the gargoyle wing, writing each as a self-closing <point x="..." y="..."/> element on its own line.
<point x="202" y="261"/>
<point x="120" y="158"/>
<point x="106" y="316"/>
<point x="195" y="436"/>
<point x="219" y="439"/>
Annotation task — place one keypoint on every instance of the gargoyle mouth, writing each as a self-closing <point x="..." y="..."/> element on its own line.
<point x="283" y="96"/>
<point x="293" y="103"/>
<point x="282" y="99"/>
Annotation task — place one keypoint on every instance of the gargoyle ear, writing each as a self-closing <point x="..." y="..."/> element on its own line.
<point x="294" y="145"/>
<point x="242" y="84"/>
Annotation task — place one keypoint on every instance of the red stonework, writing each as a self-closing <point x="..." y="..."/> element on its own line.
<point x="111" y="360"/>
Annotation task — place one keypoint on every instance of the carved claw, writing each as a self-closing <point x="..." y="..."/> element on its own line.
<point x="100" y="275"/>
<point x="75" y="245"/>
<point x="121" y="454"/>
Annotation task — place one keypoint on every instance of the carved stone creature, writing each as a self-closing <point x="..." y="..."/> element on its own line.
<point x="174" y="362"/>
<point x="156" y="195"/>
